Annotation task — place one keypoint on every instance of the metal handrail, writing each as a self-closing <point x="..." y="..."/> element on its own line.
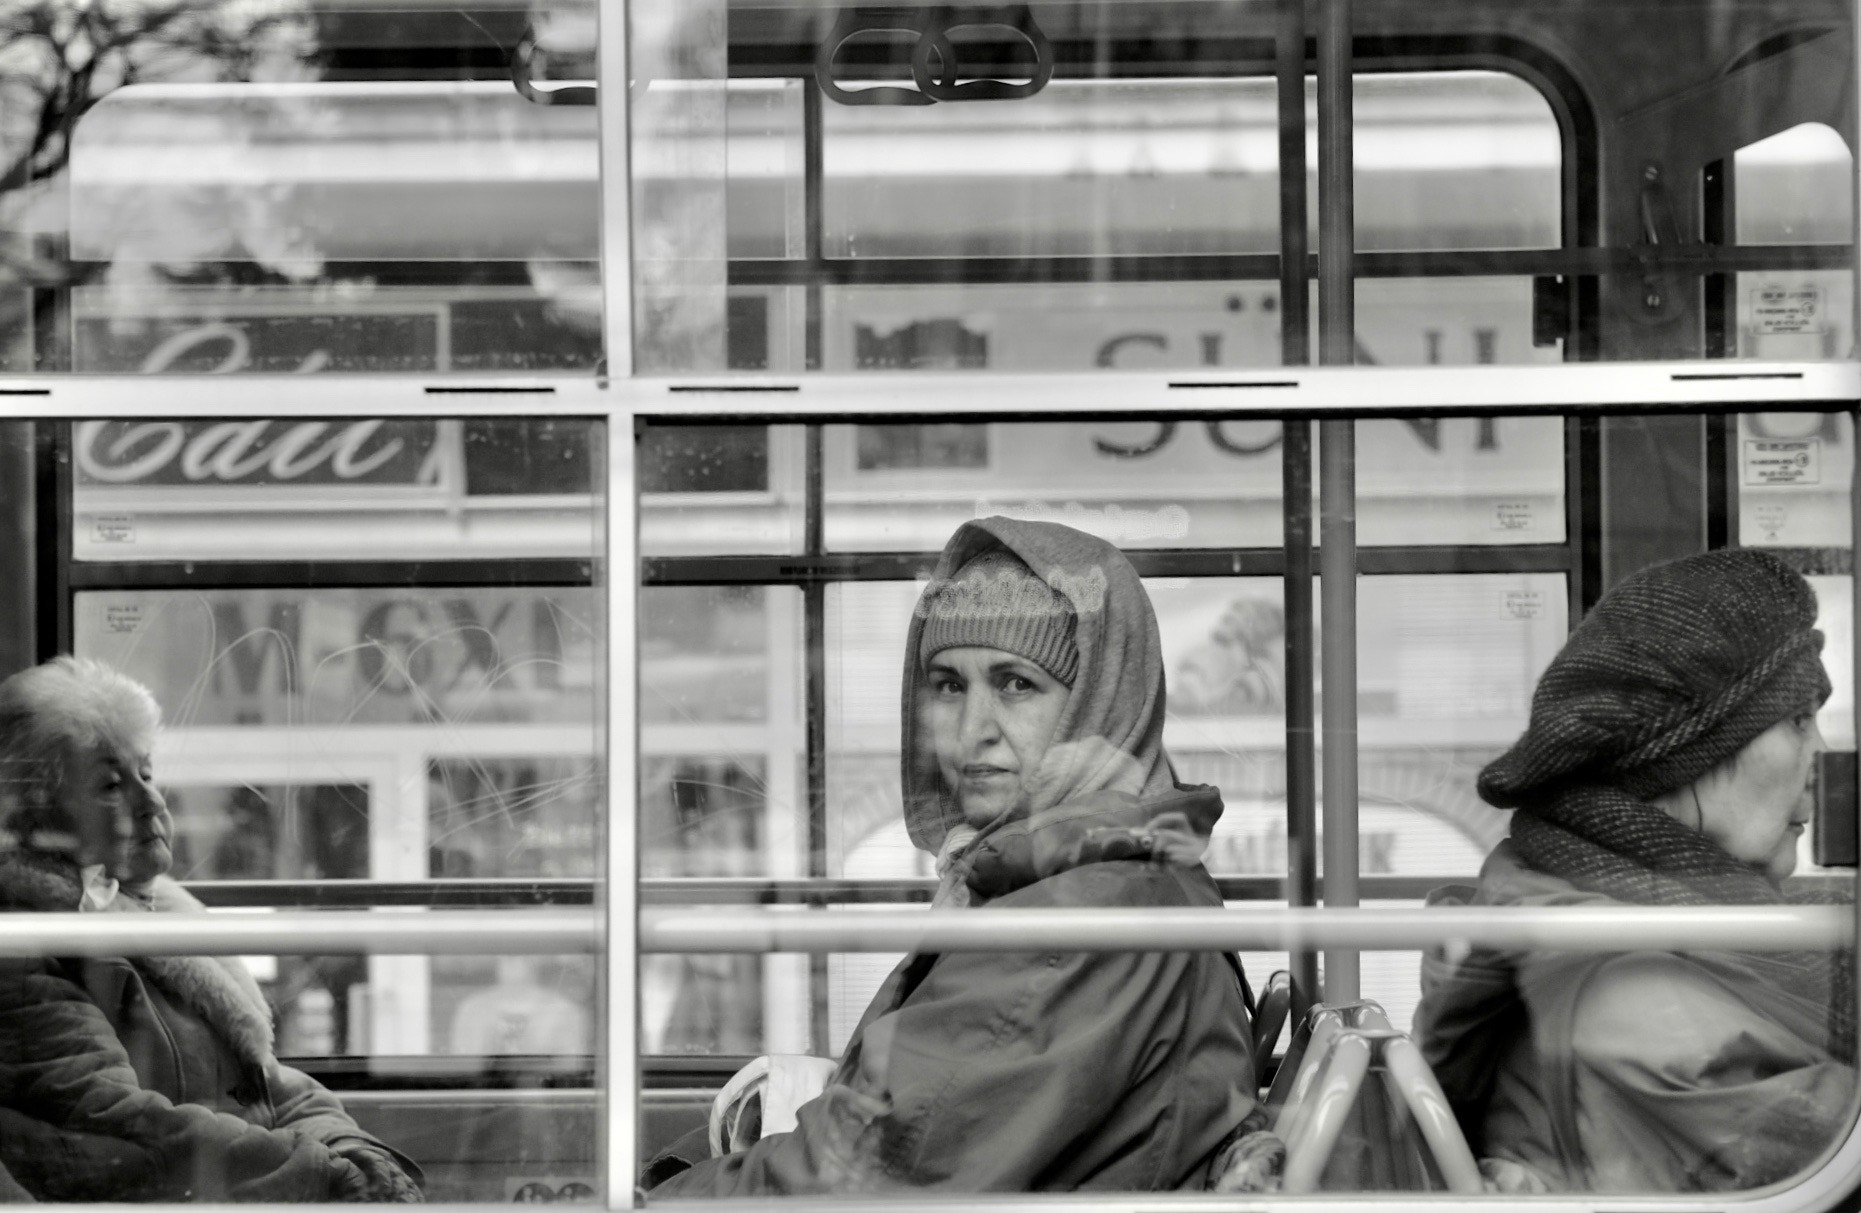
<point x="1610" y="928"/>
<point x="759" y="930"/>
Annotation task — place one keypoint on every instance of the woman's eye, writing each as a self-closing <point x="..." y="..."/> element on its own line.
<point x="1017" y="684"/>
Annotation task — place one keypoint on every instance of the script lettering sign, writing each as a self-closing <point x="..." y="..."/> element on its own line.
<point x="187" y="453"/>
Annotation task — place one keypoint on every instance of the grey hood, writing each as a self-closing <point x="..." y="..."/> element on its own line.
<point x="1110" y="735"/>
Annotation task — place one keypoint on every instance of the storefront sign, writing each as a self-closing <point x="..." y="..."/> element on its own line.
<point x="331" y="656"/>
<point x="144" y="453"/>
<point x="294" y="342"/>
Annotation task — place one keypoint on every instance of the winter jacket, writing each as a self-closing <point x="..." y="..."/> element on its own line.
<point x="1627" y="1072"/>
<point x="153" y="1078"/>
<point x="1027" y="1071"/>
<point x="1039" y="1070"/>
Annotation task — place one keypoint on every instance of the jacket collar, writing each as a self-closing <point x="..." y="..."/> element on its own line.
<point x="219" y="989"/>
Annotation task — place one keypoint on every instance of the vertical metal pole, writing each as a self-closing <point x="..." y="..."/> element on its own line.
<point x="814" y="632"/>
<point x="1301" y="761"/>
<point x="1854" y="589"/>
<point x="1720" y="226"/>
<point x="1337" y="556"/>
<point x="53" y="522"/>
<point x="1337" y="441"/>
<point x="617" y="1068"/>
<point x="1337" y="299"/>
<point x="616" y="177"/>
<point x="1295" y="319"/>
<point x="813" y="176"/>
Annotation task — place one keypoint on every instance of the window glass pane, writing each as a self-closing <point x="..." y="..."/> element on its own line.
<point x="1792" y="190"/>
<point x="721" y="488"/>
<point x="722" y="795"/>
<point x="404" y="740"/>
<point x="280" y="187"/>
<point x="352" y="489"/>
<point x="1793" y="472"/>
<point x="1117" y="207"/>
<point x="1453" y="639"/>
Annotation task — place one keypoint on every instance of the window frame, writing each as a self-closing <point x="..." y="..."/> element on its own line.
<point x="621" y="401"/>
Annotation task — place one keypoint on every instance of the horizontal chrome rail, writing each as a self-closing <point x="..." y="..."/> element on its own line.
<point x="746" y="929"/>
<point x="301" y="933"/>
<point x="1565" y="928"/>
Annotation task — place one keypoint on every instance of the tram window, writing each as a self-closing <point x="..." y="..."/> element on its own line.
<point x="376" y="735"/>
<point x="728" y="489"/>
<point x="295" y="490"/>
<point x="225" y="187"/>
<point x="1792" y="189"/>
<point x="1449" y="657"/>
<point x="1112" y="216"/>
<point x="1791" y="474"/>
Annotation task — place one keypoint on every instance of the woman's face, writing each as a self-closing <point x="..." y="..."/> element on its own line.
<point x="990" y="717"/>
<point x="109" y="793"/>
<point x="1755" y="806"/>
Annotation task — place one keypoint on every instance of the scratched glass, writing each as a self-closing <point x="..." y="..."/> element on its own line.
<point x="1196" y="483"/>
<point x="395" y="749"/>
<point x="722" y="802"/>
<point x="358" y="488"/>
<point x="228" y="186"/>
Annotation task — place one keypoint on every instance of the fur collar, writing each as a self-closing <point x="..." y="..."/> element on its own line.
<point x="219" y="989"/>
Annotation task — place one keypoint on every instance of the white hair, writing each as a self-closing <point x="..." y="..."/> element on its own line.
<point x="48" y="712"/>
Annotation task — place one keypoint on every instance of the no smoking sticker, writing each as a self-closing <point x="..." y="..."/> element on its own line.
<point x="1787" y="309"/>
<point x="1771" y="462"/>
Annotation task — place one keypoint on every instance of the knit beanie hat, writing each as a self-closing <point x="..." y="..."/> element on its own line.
<point x="1674" y="671"/>
<point x="997" y="602"/>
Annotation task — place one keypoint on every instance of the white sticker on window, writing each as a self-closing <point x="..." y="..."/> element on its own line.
<point x="1512" y="516"/>
<point x="1522" y="604"/>
<point x="1787" y="309"/>
<point x="1771" y="462"/>
<point x="122" y="620"/>
<point x="113" y="528"/>
<point x="1770" y="517"/>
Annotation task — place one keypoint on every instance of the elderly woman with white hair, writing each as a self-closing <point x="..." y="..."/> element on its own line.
<point x="147" y="1078"/>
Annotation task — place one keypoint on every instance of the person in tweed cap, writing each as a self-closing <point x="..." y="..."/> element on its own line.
<point x="1668" y="761"/>
<point x="1032" y="767"/>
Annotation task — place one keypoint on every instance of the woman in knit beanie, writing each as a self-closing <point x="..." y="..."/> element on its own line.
<point x="1668" y="761"/>
<point x="1033" y="767"/>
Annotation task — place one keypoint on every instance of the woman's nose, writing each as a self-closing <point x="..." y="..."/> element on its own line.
<point x="150" y="799"/>
<point x="980" y="723"/>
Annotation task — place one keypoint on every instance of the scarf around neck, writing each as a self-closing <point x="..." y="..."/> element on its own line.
<point x="1602" y="839"/>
